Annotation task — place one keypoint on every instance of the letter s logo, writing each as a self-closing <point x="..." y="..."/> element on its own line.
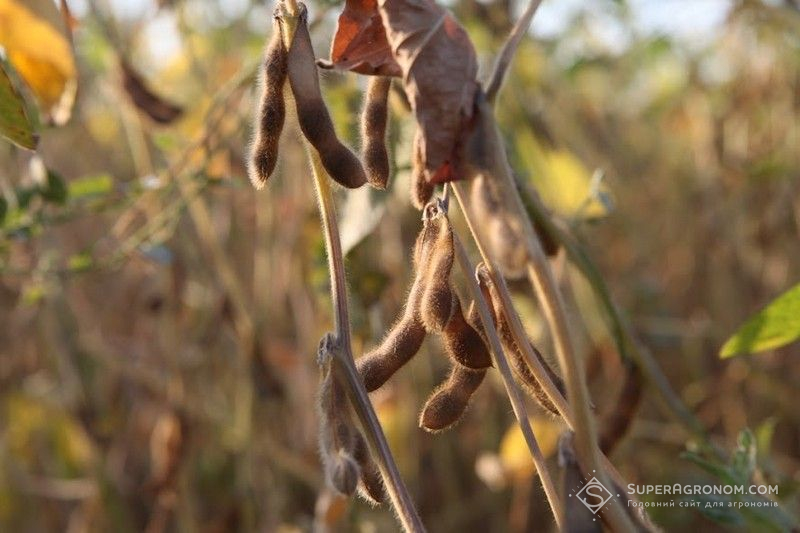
<point x="596" y="492"/>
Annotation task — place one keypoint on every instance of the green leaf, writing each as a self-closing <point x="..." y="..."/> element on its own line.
<point x="14" y="122"/>
<point x="90" y="186"/>
<point x="80" y="262"/>
<point x="743" y="462"/>
<point x="764" y="433"/>
<point x="772" y="327"/>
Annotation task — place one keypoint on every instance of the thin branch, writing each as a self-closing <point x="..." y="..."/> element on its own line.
<point x="520" y="337"/>
<point x="343" y="364"/>
<point x="509" y="49"/>
<point x="514" y="395"/>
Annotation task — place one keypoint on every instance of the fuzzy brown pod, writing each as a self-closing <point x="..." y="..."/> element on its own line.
<point x="439" y="68"/>
<point x="271" y="111"/>
<point x="371" y="485"/>
<point x="421" y="188"/>
<point x="501" y="231"/>
<point x="616" y="423"/>
<point x="315" y="121"/>
<point x="404" y="339"/>
<point x="337" y="438"/>
<point x="440" y="307"/>
<point x="400" y="344"/>
<point x="147" y="101"/>
<point x="462" y="342"/>
<point x="516" y="356"/>
<point x="360" y="44"/>
<point x="436" y="303"/>
<point x="449" y="401"/>
<point x="374" y="118"/>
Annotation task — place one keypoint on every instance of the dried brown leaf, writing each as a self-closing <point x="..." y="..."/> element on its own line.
<point x="360" y="44"/>
<point x="439" y="69"/>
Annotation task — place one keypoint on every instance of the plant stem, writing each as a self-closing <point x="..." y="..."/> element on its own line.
<point x="343" y="364"/>
<point x="512" y="390"/>
<point x="509" y="48"/>
<point x="546" y="290"/>
<point x="521" y="338"/>
<point x="517" y="329"/>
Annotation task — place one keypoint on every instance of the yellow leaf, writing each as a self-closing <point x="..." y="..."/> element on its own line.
<point x="39" y="51"/>
<point x="44" y="432"/>
<point x="514" y="453"/>
<point x="563" y="181"/>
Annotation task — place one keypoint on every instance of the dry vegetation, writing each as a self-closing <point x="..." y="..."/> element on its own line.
<point x="158" y="359"/>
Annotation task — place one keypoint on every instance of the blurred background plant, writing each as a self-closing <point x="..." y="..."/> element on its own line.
<point x="157" y="365"/>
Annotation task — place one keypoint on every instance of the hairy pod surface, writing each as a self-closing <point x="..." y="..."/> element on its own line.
<point x="616" y="423"/>
<point x="508" y="248"/>
<point x="502" y="233"/>
<point x="516" y="357"/>
<point x="337" y="437"/>
<point x="462" y="342"/>
<point x="421" y="189"/>
<point x="343" y="473"/>
<point x="374" y="118"/>
<point x="449" y="401"/>
<point x="404" y="339"/>
<point x="371" y="486"/>
<point x="271" y="112"/>
<point x="312" y="113"/>
<point x="400" y="344"/>
<point x="436" y="304"/>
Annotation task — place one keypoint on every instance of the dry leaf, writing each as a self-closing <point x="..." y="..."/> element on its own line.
<point x="439" y="69"/>
<point x="35" y="41"/>
<point x="360" y="44"/>
<point x="146" y="100"/>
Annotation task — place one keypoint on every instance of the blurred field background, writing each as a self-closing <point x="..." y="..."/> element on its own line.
<point x="160" y="318"/>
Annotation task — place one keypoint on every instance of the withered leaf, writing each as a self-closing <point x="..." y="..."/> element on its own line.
<point x="439" y="67"/>
<point x="360" y="44"/>
<point x="145" y="99"/>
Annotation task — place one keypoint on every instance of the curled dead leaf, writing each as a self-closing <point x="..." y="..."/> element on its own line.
<point x="440" y="68"/>
<point x="422" y="42"/>
<point x="360" y="44"/>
